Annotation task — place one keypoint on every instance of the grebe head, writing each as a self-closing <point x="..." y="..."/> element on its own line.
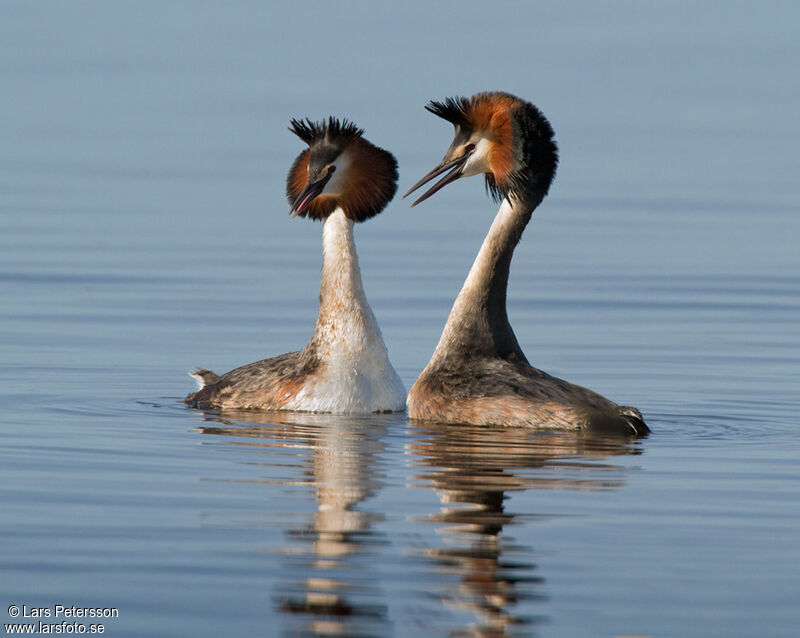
<point x="502" y="136"/>
<point x="339" y="169"/>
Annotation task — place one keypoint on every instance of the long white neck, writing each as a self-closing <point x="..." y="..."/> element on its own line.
<point x="345" y="324"/>
<point x="355" y="374"/>
<point x="478" y="323"/>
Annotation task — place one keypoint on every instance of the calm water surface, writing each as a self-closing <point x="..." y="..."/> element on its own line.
<point x="144" y="231"/>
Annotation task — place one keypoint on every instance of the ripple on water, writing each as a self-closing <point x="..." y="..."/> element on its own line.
<point x="732" y="421"/>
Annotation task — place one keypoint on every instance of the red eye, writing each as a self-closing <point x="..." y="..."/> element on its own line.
<point x="470" y="148"/>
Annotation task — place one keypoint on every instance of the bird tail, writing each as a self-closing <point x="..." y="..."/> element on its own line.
<point x="634" y="419"/>
<point x="203" y="377"/>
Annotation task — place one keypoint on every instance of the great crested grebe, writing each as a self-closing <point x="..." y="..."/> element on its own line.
<point x="341" y="179"/>
<point x="478" y="373"/>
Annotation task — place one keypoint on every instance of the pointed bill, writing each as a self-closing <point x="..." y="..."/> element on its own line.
<point x="308" y="194"/>
<point x="456" y="167"/>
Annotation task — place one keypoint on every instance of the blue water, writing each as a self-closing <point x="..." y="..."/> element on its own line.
<point x="144" y="231"/>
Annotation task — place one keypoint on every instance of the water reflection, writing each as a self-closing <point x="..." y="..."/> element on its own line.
<point x="472" y="471"/>
<point x="329" y="558"/>
<point x="480" y="579"/>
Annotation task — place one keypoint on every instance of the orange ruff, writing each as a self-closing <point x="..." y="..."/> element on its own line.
<point x="492" y="116"/>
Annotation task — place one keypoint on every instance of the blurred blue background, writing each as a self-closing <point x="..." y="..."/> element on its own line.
<point x="144" y="230"/>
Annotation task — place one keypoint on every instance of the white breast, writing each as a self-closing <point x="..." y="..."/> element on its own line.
<point x="356" y="376"/>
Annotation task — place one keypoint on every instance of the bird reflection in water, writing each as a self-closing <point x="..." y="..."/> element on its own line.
<point x="472" y="469"/>
<point x="333" y="551"/>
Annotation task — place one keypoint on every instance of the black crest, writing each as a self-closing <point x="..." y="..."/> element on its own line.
<point x="453" y="109"/>
<point x="333" y="130"/>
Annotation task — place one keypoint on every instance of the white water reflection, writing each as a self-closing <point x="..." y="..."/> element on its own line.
<point x="341" y="463"/>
